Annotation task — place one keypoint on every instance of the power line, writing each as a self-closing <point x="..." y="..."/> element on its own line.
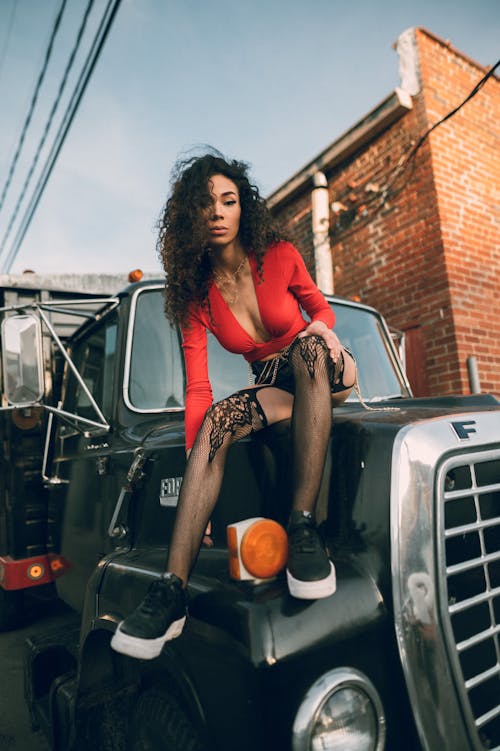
<point x="78" y="92"/>
<point x="48" y="124"/>
<point x="404" y="164"/>
<point x="380" y="197"/>
<point x="34" y="100"/>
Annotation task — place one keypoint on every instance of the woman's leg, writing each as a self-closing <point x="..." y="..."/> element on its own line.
<point x="161" y="615"/>
<point x="225" y="422"/>
<point x="311" y="418"/>
<point x="310" y="573"/>
<point x="244" y="413"/>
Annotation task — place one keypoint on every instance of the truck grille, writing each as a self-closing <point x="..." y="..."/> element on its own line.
<point x="470" y="558"/>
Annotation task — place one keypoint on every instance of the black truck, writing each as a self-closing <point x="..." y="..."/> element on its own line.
<point x="25" y="566"/>
<point x="406" y="653"/>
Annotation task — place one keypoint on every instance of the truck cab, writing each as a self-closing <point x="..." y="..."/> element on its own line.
<point x="25" y="567"/>
<point x="404" y="655"/>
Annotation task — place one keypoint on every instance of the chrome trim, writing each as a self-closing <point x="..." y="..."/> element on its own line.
<point x="418" y="452"/>
<point x="69" y="417"/>
<point x="108" y="305"/>
<point x="128" y="353"/>
<point x="103" y="422"/>
<point x="397" y="361"/>
<point x="39" y="307"/>
<point x="46" y="447"/>
<point x="39" y="363"/>
<point x="479" y="719"/>
<point x="393" y="353"/>
<point x="52" y="305"/>
<point x="73" y="419"/>
<point x="320" y="691"/>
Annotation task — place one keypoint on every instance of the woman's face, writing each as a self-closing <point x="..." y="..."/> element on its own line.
<point x="223" y="215"/>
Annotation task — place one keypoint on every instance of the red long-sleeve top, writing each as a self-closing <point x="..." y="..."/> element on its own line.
<point x="285" y="287"/>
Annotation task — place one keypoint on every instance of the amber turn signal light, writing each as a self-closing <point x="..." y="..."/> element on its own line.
<point x="135" y="275"/>
<point x="258" y="549"/>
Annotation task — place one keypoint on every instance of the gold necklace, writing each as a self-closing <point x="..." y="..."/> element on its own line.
<point x="223" y="280"/>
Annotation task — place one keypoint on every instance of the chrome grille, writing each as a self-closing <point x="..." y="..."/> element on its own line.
<point x="469" y="555"/>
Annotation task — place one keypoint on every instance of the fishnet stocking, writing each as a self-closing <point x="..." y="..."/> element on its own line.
<point x="311" y="418"/>
<point x="225" y="422"/>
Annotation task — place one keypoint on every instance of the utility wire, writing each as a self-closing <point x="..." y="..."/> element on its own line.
<point x="404" y="163"/>
<point x="34" y="100"/>
<point x="48" y="124"/>
<point x="84" y="78"/>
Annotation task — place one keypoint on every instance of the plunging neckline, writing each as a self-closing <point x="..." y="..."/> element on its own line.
<point x="253" y="271"/>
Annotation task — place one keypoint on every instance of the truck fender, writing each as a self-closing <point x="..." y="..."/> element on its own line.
<point x="110" y="685"/>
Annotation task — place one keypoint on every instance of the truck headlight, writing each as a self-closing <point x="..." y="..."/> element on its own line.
<point x="342" y="711"/>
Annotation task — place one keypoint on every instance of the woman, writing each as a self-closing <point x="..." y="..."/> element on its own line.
<point x="229" y="270"/>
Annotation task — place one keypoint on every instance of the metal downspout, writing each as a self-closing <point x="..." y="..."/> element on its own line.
<point x="320" y="228"/>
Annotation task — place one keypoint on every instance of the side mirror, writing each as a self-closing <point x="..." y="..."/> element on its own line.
<point x="22" y="360"/>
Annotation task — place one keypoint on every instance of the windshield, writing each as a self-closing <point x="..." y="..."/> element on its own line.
<point x="155" y="376"/>
<point x="362" y="332"/>
<point x="358" y="329"/>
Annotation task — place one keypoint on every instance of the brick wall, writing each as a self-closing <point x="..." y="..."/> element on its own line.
<point x="466" y="165"/>
<point x="423" y="244"/>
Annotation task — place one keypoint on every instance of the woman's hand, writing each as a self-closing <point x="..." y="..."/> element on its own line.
<point x="318" y="328"/>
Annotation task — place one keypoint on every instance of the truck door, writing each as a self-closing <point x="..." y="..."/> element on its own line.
<point x="82" y="487"/>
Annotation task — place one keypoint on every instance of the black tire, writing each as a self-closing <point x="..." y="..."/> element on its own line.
<point x="159" y="724"/>
<point x="11" y="609"/>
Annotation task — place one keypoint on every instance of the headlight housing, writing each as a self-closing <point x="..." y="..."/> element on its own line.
<point x="342" y="711"/>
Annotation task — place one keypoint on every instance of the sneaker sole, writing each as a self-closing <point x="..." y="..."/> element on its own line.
<point x="312" y="590"/>
<point x="145" y="649"/>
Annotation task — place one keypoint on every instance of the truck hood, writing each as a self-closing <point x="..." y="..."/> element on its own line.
<point x="155" y="430"/>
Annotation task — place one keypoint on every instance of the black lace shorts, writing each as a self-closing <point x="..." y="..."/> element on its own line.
<point x="280" y="374"/>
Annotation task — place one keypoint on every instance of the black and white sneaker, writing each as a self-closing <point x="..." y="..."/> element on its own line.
<point x="159" y="618"/>
<point x="310" y="573"/>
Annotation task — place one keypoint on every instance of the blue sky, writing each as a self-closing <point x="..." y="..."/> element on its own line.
<point x="272" y="82"/>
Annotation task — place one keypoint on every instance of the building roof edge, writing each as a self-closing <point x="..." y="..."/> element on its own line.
<point x="380" y="117"/>
<point x="447" y="43"/>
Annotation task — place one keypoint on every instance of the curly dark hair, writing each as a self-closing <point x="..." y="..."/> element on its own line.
<point x="183" y="234"/>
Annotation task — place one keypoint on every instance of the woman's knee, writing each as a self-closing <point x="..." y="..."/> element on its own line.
<point x="229" y="420"/>
<point x="302" y="344"/>
<point x="307" y="351"/>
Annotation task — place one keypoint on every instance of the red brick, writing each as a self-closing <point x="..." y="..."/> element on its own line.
<point x="430" y="257"/>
